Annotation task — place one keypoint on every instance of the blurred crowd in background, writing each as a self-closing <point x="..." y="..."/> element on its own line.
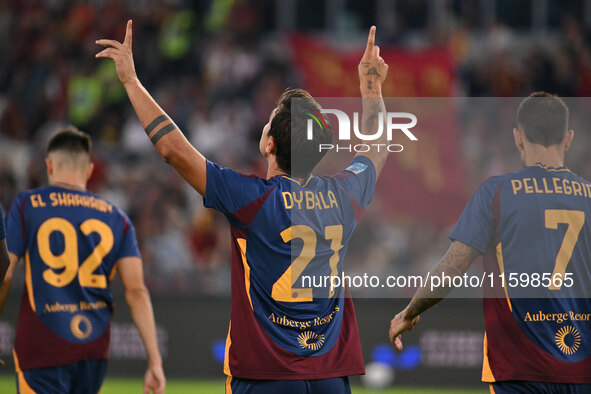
<point x="218" y="66"/>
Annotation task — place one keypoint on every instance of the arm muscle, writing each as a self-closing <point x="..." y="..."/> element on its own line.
<point x="455" y="262"/>
<point x="172" y="145"/>
<point x="138" y="299"/>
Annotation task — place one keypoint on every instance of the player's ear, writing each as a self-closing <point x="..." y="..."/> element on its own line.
<point x="518" y="139"/>
<point x="89" y="170"/>
<point x="568" y="139"/>
<point x="49" y="164"/>
<point x="271" y="147"/>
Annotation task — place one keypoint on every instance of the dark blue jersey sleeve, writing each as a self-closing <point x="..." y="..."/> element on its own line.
<point x="359" y="180"/>
<point x="16" y="237"/>
<point x="128" y="246"/>
<point x="227" y="190"/>
<point x="2" y="227"/>
<point x="475" y="227"/>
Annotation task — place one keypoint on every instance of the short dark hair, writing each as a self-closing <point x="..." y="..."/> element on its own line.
<point x="543" y="117"/>
<point x="70" y="140"/>
<point x="289" y="130"/>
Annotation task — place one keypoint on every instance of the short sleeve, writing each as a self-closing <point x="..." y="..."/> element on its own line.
<point x="359" y="180"/>
<point x="128" y="247"/>
<point x="475" y="227"/>
<point x="15" y="228"/>
<point x="227" y="190"/>
<point x="2" y="226"/>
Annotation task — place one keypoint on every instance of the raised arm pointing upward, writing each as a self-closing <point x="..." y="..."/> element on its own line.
<point x="175" y="148"/>
<point x="372" y="72"/>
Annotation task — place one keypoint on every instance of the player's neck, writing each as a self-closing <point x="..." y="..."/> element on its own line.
<point x="273" y="169"/>
<point x="275" y="172"/>
<point x="548" y="156"/>
<point x="67" y="182"/>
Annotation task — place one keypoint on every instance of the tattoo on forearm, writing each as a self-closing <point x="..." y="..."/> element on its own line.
<point x="162" y="132"/>
<point x="371" y="112"/>
<point x="373" y="71"/>
<point x="371" y="123"/>
<point x="455" y="262"/>
<point x="370" y="72"/>
<point x="418" y="306"/>
<point x="155" y="123"/>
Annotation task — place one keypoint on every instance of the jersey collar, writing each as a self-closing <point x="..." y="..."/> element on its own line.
<point x="69" y="186"/>
<point x="297" y="181"/>
<point x="545" y="167"/>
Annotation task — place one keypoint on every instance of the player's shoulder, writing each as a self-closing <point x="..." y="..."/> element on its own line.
<point x="491" y="184"/>
<point x="29" y="192"/>
<point x="111" y="207"/>
<point x="24" y="196"/>
<point x="578" y="178"/>
<point x="237" y="176"/>
<point x="112" y="215"/>
<point x="359" y="166"/>
<point x="115" y="217"/>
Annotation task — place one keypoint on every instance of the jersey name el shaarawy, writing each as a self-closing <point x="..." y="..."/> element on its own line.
<point x="534" y="223"/>
<point x="70" y="241"/>
<point x="283" y="230"/>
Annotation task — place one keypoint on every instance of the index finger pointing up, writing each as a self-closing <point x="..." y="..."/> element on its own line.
<point x="128" y="34"/>
<point x="371" y="39"/>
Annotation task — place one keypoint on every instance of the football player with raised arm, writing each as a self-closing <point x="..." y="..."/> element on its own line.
<point x="73" y="242"/>
<point x="534" y="223"/>
<point x="283" y="337"/>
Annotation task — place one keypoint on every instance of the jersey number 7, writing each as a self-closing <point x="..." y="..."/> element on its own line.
<point x="575" y="221"/>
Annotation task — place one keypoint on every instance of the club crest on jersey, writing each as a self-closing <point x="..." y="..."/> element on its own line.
<point x="568" y="340"/>
<point x="311" y="340"/>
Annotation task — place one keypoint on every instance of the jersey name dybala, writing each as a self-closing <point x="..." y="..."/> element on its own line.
<point x="70" y="242"/>
<point x="534" y="221"/>
<point x="283" y="230"/>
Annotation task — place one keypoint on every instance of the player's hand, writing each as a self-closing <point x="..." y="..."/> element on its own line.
<point x="372" y="68"/>
<point x="154" y="380"/>
<point x="398" y="325"/>
<point x="121" y="54"/>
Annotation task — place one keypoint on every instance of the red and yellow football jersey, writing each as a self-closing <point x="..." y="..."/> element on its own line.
<point x="282" y="231"/>
<point x="70" y="241"/>
<point x="533" y="225"/>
